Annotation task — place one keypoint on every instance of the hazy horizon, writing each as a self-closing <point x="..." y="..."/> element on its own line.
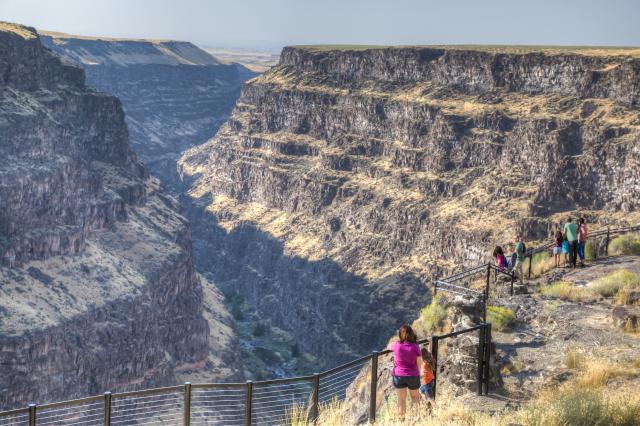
<point x="270" y="25"/>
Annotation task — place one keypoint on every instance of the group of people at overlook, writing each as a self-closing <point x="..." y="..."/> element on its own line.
<point x="413" y="366"/>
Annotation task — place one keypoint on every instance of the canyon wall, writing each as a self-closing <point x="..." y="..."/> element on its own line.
<point x="175" y="95"/>
<point x="346" y="179"/>
<point x="97" y="285"/>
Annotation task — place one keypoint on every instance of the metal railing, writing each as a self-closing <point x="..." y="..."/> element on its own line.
<point x="446" y="284"/>
<point x="268" y="402"/>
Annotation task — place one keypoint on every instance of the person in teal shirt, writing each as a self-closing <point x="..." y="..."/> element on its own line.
<point x="571" y="232"/>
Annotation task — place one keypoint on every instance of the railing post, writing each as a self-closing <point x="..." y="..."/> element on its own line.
<point x="488" y="277"/>
<point x="530" y="263"/>
<point x="606" y="244"/>
<point x="513" y="278"/>
<point x="485" y="297"/>
<point x="32" y="414"/>
<point x="374" y="387"/>
<point x="434" y="354"/>
<point x="315" y="392"/>
<point x="107" y="408"/>
<point x="247" y="404"/>
<point x="435" y="287"/>
<point x="481" y="342"/>
<point x="186" y="409"/>
<point x="487" y="358"/>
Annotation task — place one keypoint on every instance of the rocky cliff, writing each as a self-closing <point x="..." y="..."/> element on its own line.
<point x="174" y="94"/>
<point x="97" y="285"/>
<point x="346" y="178"/>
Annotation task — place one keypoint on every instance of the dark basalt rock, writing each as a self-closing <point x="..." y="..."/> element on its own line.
<point x="96" y="273"/>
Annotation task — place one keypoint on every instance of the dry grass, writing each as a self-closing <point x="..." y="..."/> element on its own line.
<point x="566" y="291"/>
<point x="575" y="359"/>
<point x="619" y="284"/>
<point x="566" y="405"/>
<point x="596" y="374"/>
<point x="541" y="262"/>
<point x="609" y="285"/>
<point x="625" y="244"/>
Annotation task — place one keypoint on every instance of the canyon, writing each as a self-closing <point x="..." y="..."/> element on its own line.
<point x="97" y="285"/>
<point x="174" y="94"/>
<point x="338" y="185"/>
<point x="347" y="178"/>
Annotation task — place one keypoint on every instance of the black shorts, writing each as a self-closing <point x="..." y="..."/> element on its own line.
<point x="411" y="382"/>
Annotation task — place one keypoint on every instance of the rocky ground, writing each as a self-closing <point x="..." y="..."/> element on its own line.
<point x="533" y="353"/>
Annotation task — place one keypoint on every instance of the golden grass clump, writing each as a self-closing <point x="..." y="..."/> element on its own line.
<point x="610" y="284"/>
<point x="541" y="262"/>
<point x="596" y="374"/>
<point x="566" y="291"/>
<point x="574" y="359"/>
<point x="625" y="244"/>
<point x="500" y="318"/>
<point x="565" y="405"/>
<point x="434" y="314"/>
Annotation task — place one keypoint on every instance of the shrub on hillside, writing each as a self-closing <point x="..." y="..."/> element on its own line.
<point x="625" y="244"/>
<point x="499" y="317"/>
<point x="434" y="314"/>
<point x="611" y="284"/>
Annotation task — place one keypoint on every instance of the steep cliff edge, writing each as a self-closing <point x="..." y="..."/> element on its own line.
<point x="97" y="284"/>
<point x="346" y="178"/>
<point x="175" y="95"/>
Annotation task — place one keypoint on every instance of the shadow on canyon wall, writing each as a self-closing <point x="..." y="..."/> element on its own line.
<point x="332" y="314"/>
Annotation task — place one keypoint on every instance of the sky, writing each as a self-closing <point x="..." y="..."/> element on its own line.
<point x="274" y="23"/>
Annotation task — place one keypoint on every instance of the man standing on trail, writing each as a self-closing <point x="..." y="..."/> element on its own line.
<point x="571" y="232"/>
<point x="582" y="240"/>
<point x="519" y="258"/>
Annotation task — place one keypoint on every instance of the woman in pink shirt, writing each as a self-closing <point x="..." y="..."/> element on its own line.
<point x="406" y="367"/>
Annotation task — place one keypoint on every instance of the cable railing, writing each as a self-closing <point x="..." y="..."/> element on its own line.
<point x="267" y="402"/>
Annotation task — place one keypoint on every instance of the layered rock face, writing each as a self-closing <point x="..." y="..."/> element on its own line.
<point x="346" y="179"/>
<point x="98" y="289"/>
<point x="175" y="95"/>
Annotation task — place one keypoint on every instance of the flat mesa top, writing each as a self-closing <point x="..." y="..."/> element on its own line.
<point x="632" y="51"/>
<point x="59" y="35"/>
<point x="20" y="30"/>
